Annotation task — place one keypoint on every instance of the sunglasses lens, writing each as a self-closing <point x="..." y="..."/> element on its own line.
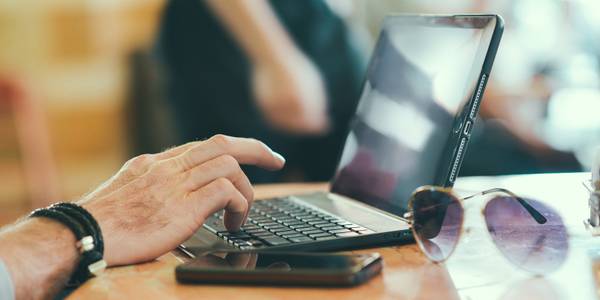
<point x="536" y="246"/>
<point x="437" y="221"/>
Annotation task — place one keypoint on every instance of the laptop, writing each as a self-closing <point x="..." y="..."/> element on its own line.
<point x="412" y="125"/>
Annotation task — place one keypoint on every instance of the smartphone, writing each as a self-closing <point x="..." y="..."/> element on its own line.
<point x="280" y="268"/>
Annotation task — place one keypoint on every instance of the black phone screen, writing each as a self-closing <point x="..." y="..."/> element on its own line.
<point x="272" y="268"/>
<point x="281" y="262"/>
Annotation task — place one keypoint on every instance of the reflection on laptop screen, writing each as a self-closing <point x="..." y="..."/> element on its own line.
<point x="422" y="75"/>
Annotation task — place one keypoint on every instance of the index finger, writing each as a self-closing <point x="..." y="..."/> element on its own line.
<point x="245" y="150"/>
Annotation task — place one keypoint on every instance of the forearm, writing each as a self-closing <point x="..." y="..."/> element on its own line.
<point x="40" y="254"/>
<point x="256" y="28"/>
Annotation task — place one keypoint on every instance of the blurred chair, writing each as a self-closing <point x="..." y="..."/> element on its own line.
<point x="34" y="144"/>
<point x="149" y="124"/>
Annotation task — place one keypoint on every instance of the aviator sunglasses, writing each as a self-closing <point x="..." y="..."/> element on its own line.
<point x="529" y="233"/>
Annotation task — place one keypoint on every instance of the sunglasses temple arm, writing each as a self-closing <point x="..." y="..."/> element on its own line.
<point x="537" y="216"/>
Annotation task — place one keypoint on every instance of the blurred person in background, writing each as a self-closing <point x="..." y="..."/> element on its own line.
<point x="283" y="71"/>
<point x="525" y="79"/>
<point x="512" y="135"/>
<point x="35" y="149"/>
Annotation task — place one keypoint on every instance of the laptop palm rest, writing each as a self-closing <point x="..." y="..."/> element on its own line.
<point x="353" y="211"/>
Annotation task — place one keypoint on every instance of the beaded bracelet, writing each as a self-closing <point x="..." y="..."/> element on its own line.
<point x="87" y="232"/>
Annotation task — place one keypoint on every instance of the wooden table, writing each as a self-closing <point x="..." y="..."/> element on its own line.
<point x="475" y="271"/>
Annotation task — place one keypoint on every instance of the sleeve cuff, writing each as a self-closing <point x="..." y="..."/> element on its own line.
<point x="6" y="285"/>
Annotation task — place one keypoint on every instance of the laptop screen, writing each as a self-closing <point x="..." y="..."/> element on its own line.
<point x="423" y="73"/>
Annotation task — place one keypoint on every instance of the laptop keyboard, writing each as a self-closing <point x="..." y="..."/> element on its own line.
<point x="282" y="221"/>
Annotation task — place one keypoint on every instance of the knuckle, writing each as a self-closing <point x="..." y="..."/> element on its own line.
<point x="182" y="163"/>
<point x="240" y="175"/>
<point x="139" y="162"/>
<point x="223" y="184"/>
<point x="222" y="141"/>
<point x="253" y="140"/>
<point x="188" y="160"/>
<point x="150" y="179"/>
<point x="160" y="168"/>
<point x="141" y="183"/>
<point x="263" y="147"/>
<point x="228" y="161"/>
<point x="126" y="172"/>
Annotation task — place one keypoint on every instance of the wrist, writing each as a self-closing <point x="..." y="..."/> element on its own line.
<point x="38" y="252"/>
<point x="107" y="225"/>
<point x="90" y="242"/>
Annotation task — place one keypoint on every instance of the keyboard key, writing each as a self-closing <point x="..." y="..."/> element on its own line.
<point x="264" y="234"/>
<point x="352" y="226"/>
<point x="239" y="242"/>
<point x="300" y="239"/>
<point x="340" y="231"/>
<point x="301" y="226"/>
<point x="227" y="233"/>
<point x="312" y="231"/>
<point x="239" y="235"/>
<point x="276" y="228"/>
<point x="366" y="231"/>
<point x="336" y="220"/>
<point x="276" y="241"/>
<point x="358" y="228"/>
<point x="259" y="221"/>
<point x="215" y="227"/>
<point x="289" y="232"/>
<point x="323" y="238"/>
<point x="334" y="227"/>
<point x="255" y="242"/>
<point x="280" y="229"/>
<point x="347" y="234"/>
<point x="267" y="224"/>
<point x="344" y="223"/>
<point x="318" y="222"/>
<point x="303" y="215"/>
<point x="311" y="219"/>
<point x="292" y="235"/>
<point x="277" y="215"/>
<point x="329" y="228"/>
<point x="324" y="225"/>
<point x="317" y="235"/>
<point x="253" y="231"/>
<point x="294" y="222"/>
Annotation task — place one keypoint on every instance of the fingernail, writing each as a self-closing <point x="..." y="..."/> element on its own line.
<point x="277" y="155"/>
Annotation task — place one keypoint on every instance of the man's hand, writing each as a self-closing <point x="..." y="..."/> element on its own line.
<point x="157" y="201"/>
<point x="150" y="206"/>
<point x="291" y="95"/>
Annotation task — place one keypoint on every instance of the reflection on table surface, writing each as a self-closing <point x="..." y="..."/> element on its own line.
<point x="475" y="271"/>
